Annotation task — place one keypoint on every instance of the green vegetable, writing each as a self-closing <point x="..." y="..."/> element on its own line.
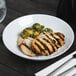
<point x="25" y="35"/>
<point x="38" y="27"/>
<point x="36" y="33"/>
<point x="30" y="31"/>
<point x="48" y="30"/>
<point x="27" y="32"/>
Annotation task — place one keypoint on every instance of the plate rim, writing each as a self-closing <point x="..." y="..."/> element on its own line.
<point x="39" y="59"/>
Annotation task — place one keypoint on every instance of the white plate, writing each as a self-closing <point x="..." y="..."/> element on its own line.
<point x="14" y="28"/>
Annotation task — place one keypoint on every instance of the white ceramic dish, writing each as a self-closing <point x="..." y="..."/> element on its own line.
<point x="11" y="32"/>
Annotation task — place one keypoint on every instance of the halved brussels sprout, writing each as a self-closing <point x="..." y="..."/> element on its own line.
<point x="27" y="32"/>
<point x="48" y="30"/>
<point x="36" y="33"/>
<point x="38" y="27"/>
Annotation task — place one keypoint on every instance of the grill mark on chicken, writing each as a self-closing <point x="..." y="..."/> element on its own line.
<point x="48" y="36"/>
<point x="46" y="48"/>
<point x="54" y="36"/>
<point x="42" y="52"/>
<point x="50" y="44"/>
<point x="47" y="45"/>
<point x="47" y="53"/>
<point x="60" y="35"/>
<point x="36" y="48"/>
<point x="52" y="39"/>
<point x="41" y="47"/>
<point x="61" y="42"/>
<point x="37" y="42"/>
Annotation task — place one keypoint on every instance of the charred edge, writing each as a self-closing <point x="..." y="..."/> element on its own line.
<point x="38" y="46"/>
<point x="56" y="39"/>
<point x="61" y="33"/>
<point x="33" y="49"/>
<point x="53" y="41"/>
<point x="47" y="36"/>
<point x="50" y="44"/>
<point x="46" y="48"/>
<point x="56" y="46"/>
<point x="59" y="36"/>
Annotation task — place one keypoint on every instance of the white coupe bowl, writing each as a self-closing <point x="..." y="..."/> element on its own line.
<point x="14" y="28"/>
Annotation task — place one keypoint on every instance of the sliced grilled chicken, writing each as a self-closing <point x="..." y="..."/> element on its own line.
<point x="60" y="35"/>
<point x="25" y="46"/>
<point x="19" y="41"/>
<point x="59" y="39"/>
<point x="44" y="44"/>
<point x="52" y="39"/>
<point x="28" y="41"/>
<point x="48" y="43"/>
<point x="26" y="50"/>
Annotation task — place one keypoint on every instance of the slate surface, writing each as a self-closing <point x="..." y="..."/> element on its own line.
<point x="12" y="65"/>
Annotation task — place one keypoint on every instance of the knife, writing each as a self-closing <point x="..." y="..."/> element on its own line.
<point x="61" y="66"/>
<point x="52" y="67"/>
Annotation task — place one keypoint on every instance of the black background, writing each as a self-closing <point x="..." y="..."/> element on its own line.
<point x="12" y="65"/>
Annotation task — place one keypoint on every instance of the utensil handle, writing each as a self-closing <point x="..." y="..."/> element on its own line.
<point x="67" y="71"/>
<point x="59" y="68"/>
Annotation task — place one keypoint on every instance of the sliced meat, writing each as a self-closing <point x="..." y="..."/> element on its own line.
<point x="53" y="39"/>
<point x="19" y="41"/>
<point x="60" y="35"/>
<point x="59" y="39"/>
<point x="28" y="41"/>
<point x="49" y="47"/>
<point x="48" y="42"/>
<point x="27" y="51"/>
<point x="44" y="44"/>
<point x="25" y="46"/>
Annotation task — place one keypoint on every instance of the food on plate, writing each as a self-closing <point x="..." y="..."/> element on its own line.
<point x="40" y="41"/>
<point x="47" y="43"/>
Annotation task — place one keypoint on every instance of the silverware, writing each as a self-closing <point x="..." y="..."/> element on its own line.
<point x="61" y="66"/>
<point x="74" y="74"/>
<point x="67" y="71"/>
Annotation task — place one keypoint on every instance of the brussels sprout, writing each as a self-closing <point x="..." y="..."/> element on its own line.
<point x="38" y="27"/>
<point x="42" y="26"/>
<point x="48" y="30"/>
<point x="36" y="33"/>
<point x="24" y="35"/>
<point x="27" y="32"/>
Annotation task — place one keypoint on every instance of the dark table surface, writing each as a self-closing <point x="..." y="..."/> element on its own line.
<point x="12" y="65"/>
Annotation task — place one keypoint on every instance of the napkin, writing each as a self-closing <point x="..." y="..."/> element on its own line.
<point x="72" y="72"/>
<point x="69" y="72"/>
<point x="50" y="68"/>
